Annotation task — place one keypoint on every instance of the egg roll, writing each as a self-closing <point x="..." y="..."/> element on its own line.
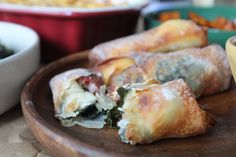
<point x="154" y="112"/>
<point x="171" y="35"/>
<point x="113" y="66"/>
<point x="79" y="98"/>
<point x="206" y="70"/>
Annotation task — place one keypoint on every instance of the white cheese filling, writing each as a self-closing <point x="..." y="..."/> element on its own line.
<point x="75" y="99"/>
<point x="122" y="124"/>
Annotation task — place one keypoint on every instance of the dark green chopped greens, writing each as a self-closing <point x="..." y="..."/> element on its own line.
<point x="122" y="93"/>
<point x="114" y="115"/>
<point x="90" y="112"/>
<point x="5" y="52"/>
<point x="185" y="67"/>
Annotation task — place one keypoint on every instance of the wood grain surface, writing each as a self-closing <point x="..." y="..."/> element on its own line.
<point x="77" y="141"/>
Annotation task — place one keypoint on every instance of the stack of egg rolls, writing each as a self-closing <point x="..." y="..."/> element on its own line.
<point x="118" y="89"/>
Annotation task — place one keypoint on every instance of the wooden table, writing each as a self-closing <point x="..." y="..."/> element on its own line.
<point x="16" y="139"/>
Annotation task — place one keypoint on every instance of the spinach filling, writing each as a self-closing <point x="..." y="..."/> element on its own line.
<point x="5" y="52"/>
<point x="90" y="112"/>
<point x="185" y="67"/>
<point x="114" y="115"/>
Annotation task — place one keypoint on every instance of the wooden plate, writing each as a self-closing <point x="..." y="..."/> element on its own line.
<point x="77" y="141"/>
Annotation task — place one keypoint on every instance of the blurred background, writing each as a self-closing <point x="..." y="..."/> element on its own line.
<point x="66" y="31"/>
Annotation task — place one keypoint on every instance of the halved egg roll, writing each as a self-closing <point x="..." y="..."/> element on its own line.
<point x="154" y="112"/>
<point x="206" y="70"/>
<point x="171" y="35"/>
<point x="79" y="97"/>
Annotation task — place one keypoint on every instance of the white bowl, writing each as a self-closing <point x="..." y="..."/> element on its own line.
<point x="17" y="68"/>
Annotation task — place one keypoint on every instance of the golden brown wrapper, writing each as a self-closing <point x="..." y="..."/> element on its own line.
<point x="206" y="70"/>
<point x="171" y="35"/>
<point x="133" y="74"/>
<point x="113" y="66"/>
<point x="157" y="112"/>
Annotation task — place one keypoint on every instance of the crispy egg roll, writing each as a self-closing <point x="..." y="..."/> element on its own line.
<point x="79" y="97"/>
<point x="154" y="112"/>
<point x="206" y="70"/>
<point x="113" y="66"/>
<point x="171" y="35"/>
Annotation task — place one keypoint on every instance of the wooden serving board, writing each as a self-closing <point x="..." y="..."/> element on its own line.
<point x="37" y="106"/>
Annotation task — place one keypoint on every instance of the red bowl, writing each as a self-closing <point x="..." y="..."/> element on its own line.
<point x="65" y="31"/>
